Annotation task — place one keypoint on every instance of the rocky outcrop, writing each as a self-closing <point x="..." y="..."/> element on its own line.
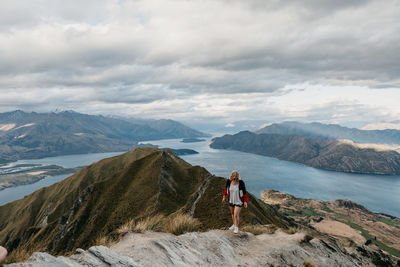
<point x="217" y="248"/>
<point x="348" y="204"/>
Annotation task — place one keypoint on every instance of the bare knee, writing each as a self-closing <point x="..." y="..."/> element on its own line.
<point x="3" y="254"/>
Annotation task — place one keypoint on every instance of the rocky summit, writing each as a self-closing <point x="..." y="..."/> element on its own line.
<point x="216" y="248"/>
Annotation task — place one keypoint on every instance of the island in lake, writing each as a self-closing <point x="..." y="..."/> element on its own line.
<point x="23" y="174"/>
<point x="182" y="152"/>
<point x="192" y="140"/>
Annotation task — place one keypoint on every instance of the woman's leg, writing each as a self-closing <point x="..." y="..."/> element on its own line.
<point x="232" y="209"/>
<point x="3" y="254"/>
<point x="236" y="215"/>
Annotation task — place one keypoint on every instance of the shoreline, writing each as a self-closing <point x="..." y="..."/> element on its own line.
<point x="330" y="170"/>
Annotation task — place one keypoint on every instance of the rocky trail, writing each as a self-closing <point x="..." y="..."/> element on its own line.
<point x="216" y="248"/>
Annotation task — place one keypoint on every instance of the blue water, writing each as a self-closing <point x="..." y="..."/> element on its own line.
<point x="14" y="193"/>
<point x="379" y="193"/>
<point x="376" y="192"/>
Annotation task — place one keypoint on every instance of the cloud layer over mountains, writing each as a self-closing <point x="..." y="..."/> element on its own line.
<point x="196" y="59"/>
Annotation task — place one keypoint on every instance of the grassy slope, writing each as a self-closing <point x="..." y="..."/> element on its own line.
<point x="100" y="198"/>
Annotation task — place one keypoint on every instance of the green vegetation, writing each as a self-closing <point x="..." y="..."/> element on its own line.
<point x="325" y="208"/>
<point x="307" y="211"/>
<point x="389" y="222"/>
<point x="311" y="212"/>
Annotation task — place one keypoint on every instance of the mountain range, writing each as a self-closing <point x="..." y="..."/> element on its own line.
<point x="319" y="153"/>
<point x="333" y="131"/>
<point x="102" y="197"/>
<point x="36" y="135"/>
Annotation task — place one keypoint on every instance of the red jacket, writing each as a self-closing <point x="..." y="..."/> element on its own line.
<point x="242" y="190"/>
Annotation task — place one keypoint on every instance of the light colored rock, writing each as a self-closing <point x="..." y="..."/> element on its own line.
<point x="40" y="259"/>
<point x="215" y="248"/>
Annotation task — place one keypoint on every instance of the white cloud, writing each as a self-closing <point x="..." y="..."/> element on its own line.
<point x="202" y="59"/>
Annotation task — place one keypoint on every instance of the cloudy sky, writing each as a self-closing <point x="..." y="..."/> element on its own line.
<point x="204" y="60"/>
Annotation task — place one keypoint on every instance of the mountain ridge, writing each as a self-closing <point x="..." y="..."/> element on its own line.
<point x="318" y="153"/>
<point x="37" y="135"/>
<point x="100" y="198"/>
<point x="333" y="131"/>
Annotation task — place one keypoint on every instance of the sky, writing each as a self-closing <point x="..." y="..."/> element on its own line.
<point x="204" y="61"/>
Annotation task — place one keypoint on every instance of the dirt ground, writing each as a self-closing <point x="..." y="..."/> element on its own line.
<point x="339" y="229"/>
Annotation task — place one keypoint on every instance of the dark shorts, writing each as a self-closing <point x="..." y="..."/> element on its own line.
<point x="235" y="205"/>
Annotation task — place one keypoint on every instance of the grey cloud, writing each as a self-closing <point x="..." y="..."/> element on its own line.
<point x="138" y="52"/>
<point x="304" y="50"/>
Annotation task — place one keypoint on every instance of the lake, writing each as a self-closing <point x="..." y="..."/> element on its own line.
<point x="379" y="193"/>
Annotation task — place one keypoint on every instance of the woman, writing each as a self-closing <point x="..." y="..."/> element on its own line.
<point x="235" y="191"/>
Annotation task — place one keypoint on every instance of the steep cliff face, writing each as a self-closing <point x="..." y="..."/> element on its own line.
<point x="217" y="248"/>
<point x="319" y="153"/>
<point x="100" y="198"/>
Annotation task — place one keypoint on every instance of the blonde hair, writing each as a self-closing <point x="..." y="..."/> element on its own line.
<point x="234" y="174"/>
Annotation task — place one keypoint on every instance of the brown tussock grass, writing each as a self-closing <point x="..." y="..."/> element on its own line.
<point x="307" y="263"/>
<point x="176" y="224"/>
<point x="181" y="223"/>
<point x="126" y="227"/>
<point x="18" y="255"/>
<point x="154" y="223"/>
<point x="104" y="241"/>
